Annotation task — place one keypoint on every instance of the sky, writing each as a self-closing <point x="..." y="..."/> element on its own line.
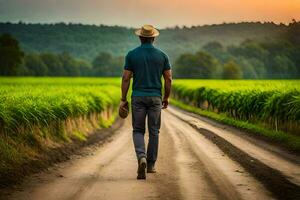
<point x="161" y="13"/>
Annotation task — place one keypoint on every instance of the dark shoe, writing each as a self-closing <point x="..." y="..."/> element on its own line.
<point x="142" y="168"/>
<point x="151" y="168"/>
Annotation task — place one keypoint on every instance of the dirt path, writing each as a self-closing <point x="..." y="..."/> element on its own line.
<point x="189" y="167"/>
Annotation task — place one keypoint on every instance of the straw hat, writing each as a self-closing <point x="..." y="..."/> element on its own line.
<point x="147" y="31"/>
<point x="123" y="111"/>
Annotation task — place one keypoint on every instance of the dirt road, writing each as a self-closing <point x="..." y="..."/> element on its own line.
<point x="190" y="166"/>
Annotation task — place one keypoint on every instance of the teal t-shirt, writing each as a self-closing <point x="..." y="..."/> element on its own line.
<point x="147" y="64"/>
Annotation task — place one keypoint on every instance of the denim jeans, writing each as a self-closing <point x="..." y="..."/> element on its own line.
<point x="142" y="107"/>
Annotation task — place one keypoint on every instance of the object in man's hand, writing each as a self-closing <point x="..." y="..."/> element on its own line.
<point x="124" y="110"/>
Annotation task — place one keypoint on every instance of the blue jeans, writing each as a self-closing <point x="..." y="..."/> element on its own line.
<point x="142" y="107"/>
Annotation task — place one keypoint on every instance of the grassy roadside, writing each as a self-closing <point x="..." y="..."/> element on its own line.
<point x="289" y="141"/>
<point x="33" y="153"/>
<point x="41" y="119"/>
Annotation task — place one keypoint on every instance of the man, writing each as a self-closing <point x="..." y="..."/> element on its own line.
<point x="147" y="64"/>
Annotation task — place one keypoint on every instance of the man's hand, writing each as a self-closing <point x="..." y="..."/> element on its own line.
<point x="165" y="103"/>
<point x="123" y="109"/>
<point x="124" y="105"/>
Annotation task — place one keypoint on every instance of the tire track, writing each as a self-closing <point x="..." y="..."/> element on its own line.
<point x="272" y="179"/>
<point x="221" y="175"/>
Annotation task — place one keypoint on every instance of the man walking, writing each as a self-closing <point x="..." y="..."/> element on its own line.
<point x="147" y="64"/>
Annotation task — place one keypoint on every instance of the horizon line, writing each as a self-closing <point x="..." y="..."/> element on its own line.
<point x="166" y="27"/>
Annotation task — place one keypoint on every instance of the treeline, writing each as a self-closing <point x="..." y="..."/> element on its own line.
<point x="85" y="41"/>
<point x="49" y="64"/>
<point x="14" y="62"/>
<point x="250" y="59"/>
<point x="258" y="58"/>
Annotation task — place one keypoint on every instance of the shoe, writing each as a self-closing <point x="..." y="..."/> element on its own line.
<point x="142" y="168"/>
<point x="151" y="168"/>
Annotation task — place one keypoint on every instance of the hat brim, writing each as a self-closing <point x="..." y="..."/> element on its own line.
<point x="139" y="33"/>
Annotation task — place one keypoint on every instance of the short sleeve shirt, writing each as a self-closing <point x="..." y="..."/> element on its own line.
<point x="147" y="64"/>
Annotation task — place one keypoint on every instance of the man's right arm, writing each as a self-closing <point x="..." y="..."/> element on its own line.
<point x="127" y="73"/>
<point x="125" y="84"/>
<point x="167" y="74"/>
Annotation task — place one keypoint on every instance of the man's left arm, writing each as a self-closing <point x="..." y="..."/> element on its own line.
<point x="167" y="74"/>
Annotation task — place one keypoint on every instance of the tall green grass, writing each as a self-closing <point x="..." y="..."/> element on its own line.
<point x="29" y="101"/>
<point x="271" y="103"/>
<point x="37" y="114"/>
<point x="287" y="140"/>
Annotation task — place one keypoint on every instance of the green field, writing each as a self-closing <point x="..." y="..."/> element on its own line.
<point x="24" y="102"/>
<point x="38" y="114"/>
<point x="268" y="107"/>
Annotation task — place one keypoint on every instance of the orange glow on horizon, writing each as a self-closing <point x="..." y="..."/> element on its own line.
<point x="160" y="12"/>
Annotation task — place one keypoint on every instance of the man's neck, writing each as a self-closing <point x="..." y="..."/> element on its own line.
<point x="148" y="44"/>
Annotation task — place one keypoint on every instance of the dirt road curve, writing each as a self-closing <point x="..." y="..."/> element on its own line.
<point x="189" y="166"/>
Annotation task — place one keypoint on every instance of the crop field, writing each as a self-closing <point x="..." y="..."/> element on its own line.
<point x="37" y="114"/>
<point x="24" y="102"/>
<point x="271" y="103"/>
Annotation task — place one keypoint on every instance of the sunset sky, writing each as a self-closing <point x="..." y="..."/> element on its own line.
<point x="162" y="13"/>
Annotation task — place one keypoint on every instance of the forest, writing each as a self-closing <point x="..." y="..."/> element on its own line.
<point x="228" y="51"/>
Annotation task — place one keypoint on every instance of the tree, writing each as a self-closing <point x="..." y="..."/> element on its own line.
<point x="293" y="33"/>
<point x="251" y="68"/>
<point x="207" y="64"/>
<point x="218" y="50"/>
<point x="232" y="70"/>
<point x="199" y="65"/>
<point x="249" y="49"/>
<point x="294" y="56"/>
<point x="213" y="46"/>
<point x="84" y="67"/>
<point x="283" y="67"/>
<point x="184" y="62"/>
<point x="292" y="36"/>
<point x="117" y="65"/>
<point x="10" y="55"/>
<point x="53" y="64"/>
<point x="69" y="64"/>
<point x="247" y="68"/>
<point x="107" y="65"/>
<point x="35" y="65"/>
<point x="102" y="64"/>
